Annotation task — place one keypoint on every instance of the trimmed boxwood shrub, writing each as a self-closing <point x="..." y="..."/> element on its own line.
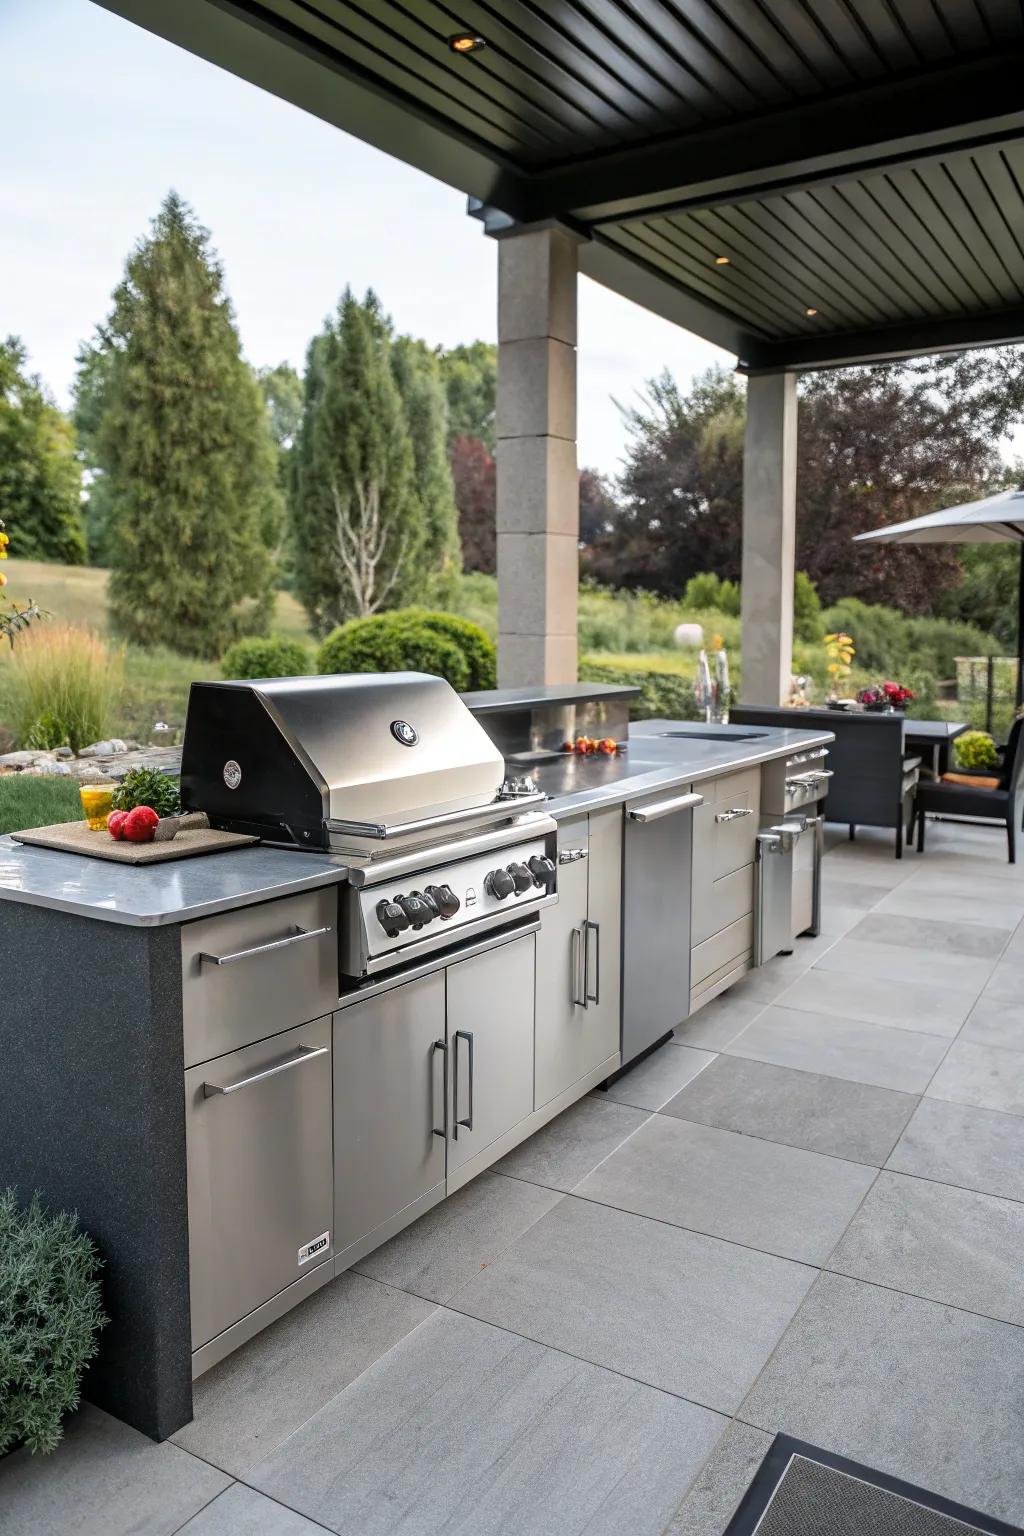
<point x="273" y="657"/>
<point x="412" y="640"/>
<point x="50" y="1315"/>
<point x="667" y="695"/>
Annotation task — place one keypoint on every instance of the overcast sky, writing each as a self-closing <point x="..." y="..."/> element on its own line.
<point x="98" y="119"/>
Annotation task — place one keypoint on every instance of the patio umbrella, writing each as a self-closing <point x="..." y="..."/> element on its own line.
<point x="995" y="520"/>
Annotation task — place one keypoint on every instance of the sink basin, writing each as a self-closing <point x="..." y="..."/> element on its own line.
<point x="714" y="735"/>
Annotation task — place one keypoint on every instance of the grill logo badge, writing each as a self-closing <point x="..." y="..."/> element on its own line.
<point x="310" y="1250"/>
<point x="232" y="774"/>
<point x="402" y="731"/>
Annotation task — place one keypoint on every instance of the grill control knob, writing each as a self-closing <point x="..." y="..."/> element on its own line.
<point x="415" y="909"/>
<point x="500" y="883"/>
<point x="543" y="871"/>
<point x="391" y="917"/>
<point x="521" y="878"/>
<point x="428" y="901"/>
<point x="444" y="899"/>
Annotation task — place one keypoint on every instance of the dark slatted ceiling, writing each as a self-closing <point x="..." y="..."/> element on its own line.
<point x="859" y="158"/>
<point x="942" y="238"/>
<point x="558" y="81"/>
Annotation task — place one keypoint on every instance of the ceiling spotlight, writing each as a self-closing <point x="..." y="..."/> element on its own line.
<point x="466" y="42"/>
<point x="810" y="312"/>
<point x="721" y="261"/>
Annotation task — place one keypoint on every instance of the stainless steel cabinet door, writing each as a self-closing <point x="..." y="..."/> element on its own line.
<point x="388" y="1100"/>
<point x="258" y="1133"/>
<point x="490" y="1044"/>
<point x="561" y="1034"/>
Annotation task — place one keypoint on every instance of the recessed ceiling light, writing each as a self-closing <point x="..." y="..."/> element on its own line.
<point x="809" y="312"/>
<point x="466" y="42"/>
<point x="721" y="261"/>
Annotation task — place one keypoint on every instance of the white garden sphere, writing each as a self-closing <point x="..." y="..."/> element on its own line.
<point x="689" y="636"/>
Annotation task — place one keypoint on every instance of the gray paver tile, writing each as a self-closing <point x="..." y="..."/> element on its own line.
<point x="777" y="1199"/>
<point x="723" y="1480"/>
<point x="900" y="1059"/>
<point x="959" y="1144"/>
<point x="447" y="1246"/>
<point x="250" y="1402"/>
<point x="572" y="1145"/>
<point x="241" y="1511"/>
<point x="654" y="1080"/>
<point x="982" y="1075"/>
<point x="466" y="1429"/>
<point x="799" y="1109"/>
<point x="879" y="1000"/>
<point x="687" y="1313"/>
<point x="104" y="1477"/>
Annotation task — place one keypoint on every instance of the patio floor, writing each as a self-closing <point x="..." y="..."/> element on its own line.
<point x="805" y="1214"/>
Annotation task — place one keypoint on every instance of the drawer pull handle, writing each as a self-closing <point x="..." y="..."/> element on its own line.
<point x="298" y="937"/>
<point x="734" y="814"/>
<point x="304" y="1053"/>
<point x="664" y="808"/>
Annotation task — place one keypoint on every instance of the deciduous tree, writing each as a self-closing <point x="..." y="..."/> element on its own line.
<point x="473" y="471"/>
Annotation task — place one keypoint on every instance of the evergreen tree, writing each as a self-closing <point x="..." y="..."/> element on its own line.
<point x="418" y="376"/>
<point x="357" y="521"/>
<point x="470" y="377"/>
<point x="40" y="477"/>
<point x="176" y="424"/>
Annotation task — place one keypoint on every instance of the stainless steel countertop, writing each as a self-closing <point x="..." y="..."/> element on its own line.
<point x="180" y="891"/>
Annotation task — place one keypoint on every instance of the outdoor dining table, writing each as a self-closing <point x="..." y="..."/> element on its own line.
<point x="932" y="737"/>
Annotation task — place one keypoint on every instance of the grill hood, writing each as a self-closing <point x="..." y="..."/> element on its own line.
<point x="364" y="754"/>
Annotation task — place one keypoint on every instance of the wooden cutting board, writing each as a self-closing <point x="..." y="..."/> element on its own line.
<point x="75" y="837"/>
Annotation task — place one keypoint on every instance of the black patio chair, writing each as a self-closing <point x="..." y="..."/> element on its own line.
<point x="1005" y="804"/>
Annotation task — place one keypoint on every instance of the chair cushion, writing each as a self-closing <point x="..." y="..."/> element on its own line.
<point x="972" y="780"/>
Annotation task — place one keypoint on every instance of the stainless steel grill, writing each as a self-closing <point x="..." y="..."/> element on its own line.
<point x="394" y="773"/>
<point x="353" y="764"/>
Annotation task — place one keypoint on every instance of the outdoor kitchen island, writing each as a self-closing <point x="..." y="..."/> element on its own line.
<point x="190" y="1056"/>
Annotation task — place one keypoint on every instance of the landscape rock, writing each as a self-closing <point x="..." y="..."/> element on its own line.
<point x="15" y="762"/>
<point x="63" y="752"/>
<point x="104" y="748"/>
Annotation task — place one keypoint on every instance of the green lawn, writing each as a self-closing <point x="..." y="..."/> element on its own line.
<point x="32" y="802"/>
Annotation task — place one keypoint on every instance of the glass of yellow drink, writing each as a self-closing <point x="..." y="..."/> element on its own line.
<point x="97" y="802"/>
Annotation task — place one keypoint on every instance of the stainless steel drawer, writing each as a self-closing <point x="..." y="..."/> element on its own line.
<point x="252" y="972"/>
<point x="260" y="1176"/>
<point x="735" y="837"/>
<point x="733" y="943"/>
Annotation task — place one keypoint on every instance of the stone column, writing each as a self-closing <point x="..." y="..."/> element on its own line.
<point x="537" y="484"/>
<point x="769" y="537"/>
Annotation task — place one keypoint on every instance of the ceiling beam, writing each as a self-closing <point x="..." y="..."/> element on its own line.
<point x="915" y="338"/>
<point x="945" y="110"/>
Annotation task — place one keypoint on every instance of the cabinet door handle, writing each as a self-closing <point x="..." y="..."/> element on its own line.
<point x="576" y="964"/>
<point x="439" y="1045"/>
<point x="304" y="1053"/>
<point x="462" y="1034"/>
<point x="298" y="937"/>
<point x="736" y="812"/>
<point x="595" y="929"/>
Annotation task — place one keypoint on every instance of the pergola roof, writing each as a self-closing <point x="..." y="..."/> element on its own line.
<point x="863" y="159"/>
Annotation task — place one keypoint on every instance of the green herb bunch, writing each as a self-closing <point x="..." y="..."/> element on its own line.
<point x="50" y="1315"/>
<point x="148" y="786"/>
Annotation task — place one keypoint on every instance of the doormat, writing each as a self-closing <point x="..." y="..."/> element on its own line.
<point x="800" y="1490"/>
